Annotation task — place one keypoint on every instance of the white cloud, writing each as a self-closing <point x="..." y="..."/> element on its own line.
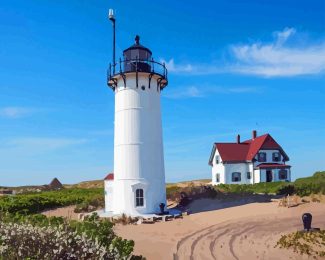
<point x="277" y="59"/>
<point x="287" y="55"/>
<point x="172" y="67"/>
<point x="205" y="91"/>
<point x="186" y="92"/>
<point x="15" y="112"/>
<point x="193" y="69"/>
<point x="283" y="36"/>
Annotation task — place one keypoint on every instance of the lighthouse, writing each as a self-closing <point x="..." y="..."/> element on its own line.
<point x="137" y="185"/>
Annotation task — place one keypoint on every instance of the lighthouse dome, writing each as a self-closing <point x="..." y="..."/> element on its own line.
<point x="137" y="51"/>
<point x="137" y="55"/>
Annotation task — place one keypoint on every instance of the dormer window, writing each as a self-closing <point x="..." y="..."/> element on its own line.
<point x="276" y="157"/>
<point x="217" y="159"/>
<point x="261" y="157"/>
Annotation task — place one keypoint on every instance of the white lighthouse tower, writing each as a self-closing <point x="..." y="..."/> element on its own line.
<point x="137" y="185"/>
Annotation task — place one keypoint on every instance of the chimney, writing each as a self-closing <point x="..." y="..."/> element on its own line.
<point x="254" y="134"/>
<point x="238" y="139"/>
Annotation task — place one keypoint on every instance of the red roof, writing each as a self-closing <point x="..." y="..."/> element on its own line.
<point x="262" y="142"/>
<point x="232" y="151"/>
<point x="246" y="151"/>
<point x="272" y="165"/>
<point x="109" y="177"/>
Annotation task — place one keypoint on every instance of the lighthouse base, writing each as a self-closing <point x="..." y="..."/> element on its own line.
<point x="174" y="213"/>
<point x="134" y="197"/>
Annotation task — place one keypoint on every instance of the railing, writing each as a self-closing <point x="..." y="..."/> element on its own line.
<point x="137" y="65"/>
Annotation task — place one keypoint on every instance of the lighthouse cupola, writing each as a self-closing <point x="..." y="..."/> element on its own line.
<point x="137" y="59"/>
<point x="137" y="52"/>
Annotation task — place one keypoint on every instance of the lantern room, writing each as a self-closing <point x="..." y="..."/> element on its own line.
<point x="137" y="59"/>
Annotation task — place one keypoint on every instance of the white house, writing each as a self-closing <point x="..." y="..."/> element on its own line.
<point x="260" y="159"/>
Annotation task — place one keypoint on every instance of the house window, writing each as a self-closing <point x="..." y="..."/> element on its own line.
<point x="248" y="175"/>
<point x="218" y="177"/>
<point x="276" y="157"/>
<point x="283" y="174"/>
<point x="261" y="157"/>
<point x="217" y="159"/>
<point x="139" y="200"/>
<point x="236" y="177"/>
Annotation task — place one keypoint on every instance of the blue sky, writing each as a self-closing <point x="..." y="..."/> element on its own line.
<point x="234" y="66"/>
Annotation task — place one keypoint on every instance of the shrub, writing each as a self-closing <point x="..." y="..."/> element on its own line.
<point x="266" y="188"/>
<point x="304" y="243"/>
<point x="286" y="190"/>
<point x="82" y="207"/>
<point x="91" y="239"/>
<point x="37" y="202"/>
<point x="311" y="185"/>
<point x="21" y="241"/>
<point x="183" y="195"/>
<point x="125" y="220"/>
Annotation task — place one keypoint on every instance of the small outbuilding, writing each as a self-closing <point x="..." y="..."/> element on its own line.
<point x="55" y="184"/>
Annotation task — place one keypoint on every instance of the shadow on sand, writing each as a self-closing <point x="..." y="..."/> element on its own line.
<point x="226" y="201"/>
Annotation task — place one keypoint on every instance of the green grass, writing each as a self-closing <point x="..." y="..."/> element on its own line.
<point x="310" y="185"/>
<point x="303" y="187"/>
<point x="265" y="188"/>
<point x="37" y="202"/>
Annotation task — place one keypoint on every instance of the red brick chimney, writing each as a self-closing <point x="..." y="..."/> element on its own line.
<point x="254" y="134"/>
<point x="238" y="139"/>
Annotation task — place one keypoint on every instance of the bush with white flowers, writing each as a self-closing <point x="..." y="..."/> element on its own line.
<point x="20" y="241"/>
<point x="38" y="237"/>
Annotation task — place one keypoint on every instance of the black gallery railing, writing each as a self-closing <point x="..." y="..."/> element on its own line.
<point x="137" y="65"/>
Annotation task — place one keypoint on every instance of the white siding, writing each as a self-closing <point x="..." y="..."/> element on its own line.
<point x="217" y="168"/>
<point x="226" y="170"/>
<point x="243" y="168"/>
<point x="138" y="146"/>
<point x="257" y="176"/>
<point x="109" y="192"/>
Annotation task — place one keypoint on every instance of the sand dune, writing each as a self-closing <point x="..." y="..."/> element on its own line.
<point x="249" y="231"/>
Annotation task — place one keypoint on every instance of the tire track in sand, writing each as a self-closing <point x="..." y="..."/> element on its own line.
<point x="213" y="242"/>
<point x="184" y="241"/>
<point x="202" y="244"/>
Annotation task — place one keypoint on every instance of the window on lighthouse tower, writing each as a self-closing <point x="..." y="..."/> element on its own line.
<point x="139" y="198"/>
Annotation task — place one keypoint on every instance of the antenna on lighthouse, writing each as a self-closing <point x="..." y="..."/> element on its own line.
<point x="111" y="17"/>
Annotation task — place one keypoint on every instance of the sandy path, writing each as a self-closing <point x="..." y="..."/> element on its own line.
<point x="66" y="212"/>
<point x="244" y="232"/>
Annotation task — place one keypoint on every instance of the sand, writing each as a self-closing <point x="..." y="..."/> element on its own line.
<point x="223" y="230"/>
<point x="66" y="212"/>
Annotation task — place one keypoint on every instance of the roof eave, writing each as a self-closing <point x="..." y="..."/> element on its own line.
<point x="214" y="147"/>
